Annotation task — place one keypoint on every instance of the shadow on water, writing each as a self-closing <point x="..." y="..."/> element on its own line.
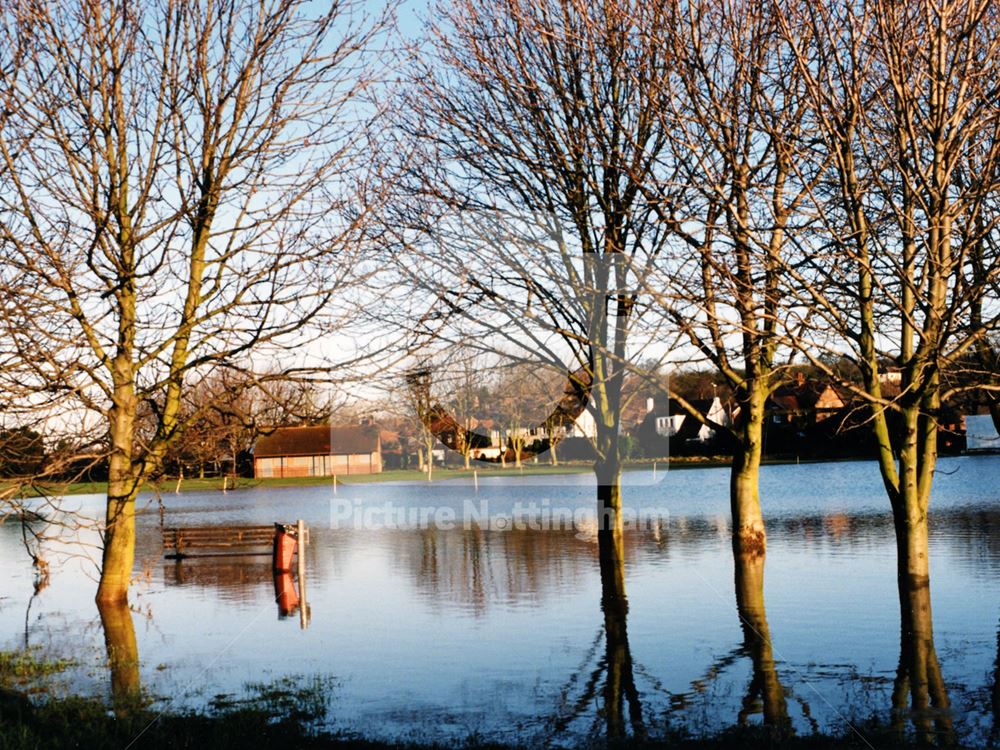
<point x="619" y="683"/>
<point x="919" y="691"/>
<point x="619" y="706"/>
<point x="123" y="655"/>
<point x="765" y="693"/>
<point x="996" y="694"/>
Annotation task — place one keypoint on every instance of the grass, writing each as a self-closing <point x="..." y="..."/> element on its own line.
<point x="290" y="713"/>
<point x="277" y="718"/>
<point x="28" y="665"/>
<point x="168" y="486"/>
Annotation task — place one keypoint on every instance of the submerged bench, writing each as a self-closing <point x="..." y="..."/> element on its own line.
<point x="219" y="541"/>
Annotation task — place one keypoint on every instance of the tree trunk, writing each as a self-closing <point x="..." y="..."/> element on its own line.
<point x="123" y="486"/>
<point x="553" y="458"/>
<point x="917" y="459"/>
<point x="609" y="496"/>
<point x="749" y="536"/>
<point x="911" y="543"/>
<point x="123" y="654"/>
<point x="757" y="641"/>
<point x="119" y="541"/>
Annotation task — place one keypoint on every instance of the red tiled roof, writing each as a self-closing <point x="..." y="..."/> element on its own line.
<point x="317" y="440"/>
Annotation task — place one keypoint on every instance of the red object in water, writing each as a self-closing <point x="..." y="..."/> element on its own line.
<point x="284" y="547"/>
<point x="285" y="594"/>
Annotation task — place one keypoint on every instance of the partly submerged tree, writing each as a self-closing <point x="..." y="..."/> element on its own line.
<point x="901" y="95"/>
<point x="737" y="120"/>
<point x="176" y="191"/>
<point x="520" y="206"/>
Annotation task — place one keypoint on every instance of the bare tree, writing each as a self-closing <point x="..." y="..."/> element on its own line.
<point x="902" y="93"/>
<point x="427" y="412"/>
<point x="529" y="405"/>
<point x="534" y="124"/>
<point x="176" y="190"/>
<point x="737" y="120"/>
<point x="223" y="415"/>
<point x="459" y="385"/>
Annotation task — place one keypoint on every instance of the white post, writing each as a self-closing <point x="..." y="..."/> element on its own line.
<point x="475" y="479"/>
<point x="303" y="536"/>
<point x="334" y="484"/>
<point x="654" y="471"/>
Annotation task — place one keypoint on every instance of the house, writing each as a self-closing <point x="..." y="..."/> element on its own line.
<point x="584" y="426"/>
<point x="318" y="451"/>
<point x="671" y="419"/>
<point x="668" y="429"/>
<point x="805" y="401"/>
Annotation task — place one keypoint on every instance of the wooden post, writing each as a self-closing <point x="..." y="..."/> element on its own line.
<point x="303" y="536"/>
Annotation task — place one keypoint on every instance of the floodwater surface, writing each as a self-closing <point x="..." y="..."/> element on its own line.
<point x="468" y="622"/>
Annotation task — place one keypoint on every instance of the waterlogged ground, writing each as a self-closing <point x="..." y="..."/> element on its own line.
<point x="448" y="632"/>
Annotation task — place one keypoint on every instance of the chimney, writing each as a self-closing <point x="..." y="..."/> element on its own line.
<point x="800" y="379"/>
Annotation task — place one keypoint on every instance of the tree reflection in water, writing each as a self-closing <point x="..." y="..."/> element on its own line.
<point x="123" y="654"/>
<point x="765" y="692"/>
<point x="918" y="678"/>
<point x="616" y="667"/>
<point x="996" y="694"/>
<point x="619" y="683"/>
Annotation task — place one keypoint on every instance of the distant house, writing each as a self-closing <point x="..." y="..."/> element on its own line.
<point x="318" y="451"/>
<point x="671" y="420"/>
<point x="805" y="402"/>
<point x="668" y="429"/>
<point x="584" y="426"/>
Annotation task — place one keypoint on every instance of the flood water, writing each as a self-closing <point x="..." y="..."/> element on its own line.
<point x="430" y="633"/>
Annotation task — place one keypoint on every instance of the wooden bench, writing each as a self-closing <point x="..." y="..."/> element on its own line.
<point x="234" y="539"/>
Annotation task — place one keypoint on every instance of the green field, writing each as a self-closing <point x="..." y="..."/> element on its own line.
<point x="391" y="475"/>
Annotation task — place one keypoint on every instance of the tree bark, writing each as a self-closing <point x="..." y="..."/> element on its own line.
<point x="749" y="535"/>
<point x="609" y="498"/>
<point x="123" y="486"/>
<point x="911" y="499"/>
